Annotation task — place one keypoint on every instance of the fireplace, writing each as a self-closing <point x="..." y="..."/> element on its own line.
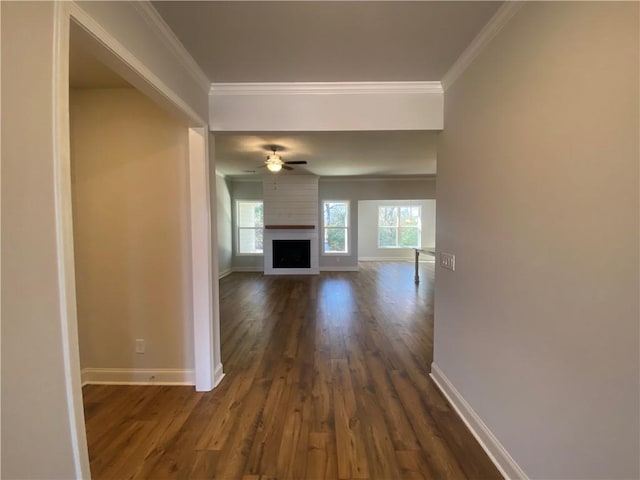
<point x="291" y="253"/>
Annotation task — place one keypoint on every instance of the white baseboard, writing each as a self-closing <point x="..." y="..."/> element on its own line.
<point x="247" y="269"/>
<point x="385" y="259"/>
<point x="218" y="375"/>
<point x="137" y="376"/>
<point x="491" y="445"/>
<point x="395" y="259"/>
<point x="339" y="269"/>
<point x="224" y="273"/>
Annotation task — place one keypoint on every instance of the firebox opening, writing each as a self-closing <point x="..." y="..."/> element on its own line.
<point x="292" y="254"/>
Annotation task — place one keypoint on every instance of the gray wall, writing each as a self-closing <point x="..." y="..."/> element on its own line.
<point x="244" y="190"/>
<point x="224" y="207"/>
<point x="368" y="230"/>
<point x="336" y="189"/>
<point x="369" y="189"/>
<point x="538" y="199"/>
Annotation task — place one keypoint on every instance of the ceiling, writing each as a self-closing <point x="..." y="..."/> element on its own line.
<point x="325" y="41"/>
<point x="297" y="41"/>
<point x="331" y="153"/>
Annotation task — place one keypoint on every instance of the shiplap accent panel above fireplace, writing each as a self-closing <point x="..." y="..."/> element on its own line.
<point x="290" y="200"/>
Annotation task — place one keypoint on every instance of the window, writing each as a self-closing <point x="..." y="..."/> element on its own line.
<point x="335" y="227"/>
<point x="399" y="226"/>
<point x="250" y="222"/>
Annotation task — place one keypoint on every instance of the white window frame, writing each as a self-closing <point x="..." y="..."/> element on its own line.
<point x="347" y="229"/>
<point x="239" y="228"/>
<point x="397" y="226"/>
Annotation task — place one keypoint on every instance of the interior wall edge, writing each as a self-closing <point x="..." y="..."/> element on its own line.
<point x="487" y="440"/>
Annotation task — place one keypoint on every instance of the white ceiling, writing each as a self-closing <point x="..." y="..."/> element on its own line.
<point x="331" y="153"/>
<point x="325" y="41"/>
<point x="289" y="41"/>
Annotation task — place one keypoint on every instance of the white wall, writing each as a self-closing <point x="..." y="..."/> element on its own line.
<point x="309" y="106"/>
<point x="223" y="205"/>
<point x="290" y="200"/>
<point x="129" y="162"/>
<point x="368" y="230"/>
<point x="538" y="199"/>
<point x="42" y="419"/>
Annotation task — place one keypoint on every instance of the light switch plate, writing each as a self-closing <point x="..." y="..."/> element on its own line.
<point x="448" y="261"/>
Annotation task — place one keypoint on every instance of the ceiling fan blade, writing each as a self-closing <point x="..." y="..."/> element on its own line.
<point x="287" y="168"/>
<point x="296" y="162"/>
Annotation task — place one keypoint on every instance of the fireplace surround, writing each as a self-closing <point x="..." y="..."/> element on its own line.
<point x="291" y="239"/>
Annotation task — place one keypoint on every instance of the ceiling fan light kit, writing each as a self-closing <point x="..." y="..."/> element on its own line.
<point x="274" y="167"/>
<point x="274" y="163"/>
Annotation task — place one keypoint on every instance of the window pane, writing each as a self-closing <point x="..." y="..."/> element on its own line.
<point x="258" y="210"/>
<point x="250" y="240"/>
<point x="409" y="216"/>
<point x="409" y="237"/>
<point x="250" y="214"/>
<point x="387" y="216"/>
<point x="335" y="214"/>
<point x="387" y="237"/>
<point x="335" y="240"/>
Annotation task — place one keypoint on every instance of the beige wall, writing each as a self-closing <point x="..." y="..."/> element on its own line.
<point x="125" y="22"/>
<point x="538" y="199"/>
<point x="37" y="439"/>
<point x="129" y="164"/>
<point x="42" y="419"/>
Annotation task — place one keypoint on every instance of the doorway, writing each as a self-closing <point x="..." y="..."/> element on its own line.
<point x="196" y="347"/>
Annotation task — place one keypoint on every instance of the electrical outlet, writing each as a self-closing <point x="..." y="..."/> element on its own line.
<point x="140" y="345"/>
<point x="448" y="261"/>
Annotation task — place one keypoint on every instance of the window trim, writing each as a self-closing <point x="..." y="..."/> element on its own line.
<point x="347" y="229"/>
<point x="238" y="253"/>
<point x="398" y="227"/>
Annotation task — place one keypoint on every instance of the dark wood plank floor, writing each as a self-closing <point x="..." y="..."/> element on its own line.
<point x="326" y="377"/>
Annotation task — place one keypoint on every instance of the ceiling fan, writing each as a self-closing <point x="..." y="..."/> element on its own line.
<point x="274" y="162"/>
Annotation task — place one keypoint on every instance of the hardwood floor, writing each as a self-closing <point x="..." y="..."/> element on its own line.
<point x="326" y="377"/>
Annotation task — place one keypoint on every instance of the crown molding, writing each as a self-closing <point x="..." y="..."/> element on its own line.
<point x="382" y="178"/>
<point x="502" y="16"/>
<point x="119" y="51"/>
<point x="148" y="12"/>
<point x="324" y="88"/>
<point x="346" y="179"/>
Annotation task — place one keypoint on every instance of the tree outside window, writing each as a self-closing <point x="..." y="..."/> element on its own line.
<point x="335" y="226"/>
<point x="399" y="226"/>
